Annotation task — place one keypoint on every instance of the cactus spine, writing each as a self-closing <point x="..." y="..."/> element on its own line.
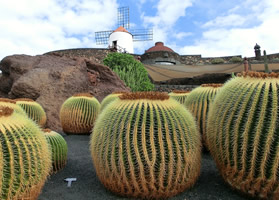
<point x="198" y="102"/>
<point x="109" y="98"/>
<point x="24" y="157"/>
<point x="58" y="147"/>
<point x="78" y="114"/>
<point x="146" y="145"/>
<point x="243" y="134"/>
<point x="33" y="110"/>
<point x="180" y="95"/>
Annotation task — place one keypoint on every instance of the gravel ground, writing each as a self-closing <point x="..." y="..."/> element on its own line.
<point x="210" y="185"/>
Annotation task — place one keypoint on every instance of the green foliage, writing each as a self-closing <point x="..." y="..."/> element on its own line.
<point x="217" y="61"/>
<point x="131" y="71"/>
<point x="236" y="60"/>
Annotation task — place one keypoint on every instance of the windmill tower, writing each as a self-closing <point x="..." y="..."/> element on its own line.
<point x="122" y="38"/>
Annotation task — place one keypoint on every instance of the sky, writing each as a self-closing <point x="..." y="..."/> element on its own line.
<point x="209" y="28"/>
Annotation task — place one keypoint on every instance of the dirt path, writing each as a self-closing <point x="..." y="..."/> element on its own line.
<point x="210" y="185"/>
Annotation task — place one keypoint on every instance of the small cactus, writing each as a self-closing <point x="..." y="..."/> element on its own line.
<point x="198" y="102"/>
<point x="243" y="135"/>
<point x="78" y="114"/>
<point x="146" y="145"/>
<point x="25" y="159"/>
<point x="12" y="104"/>
<point x="58" y="147"/>
<point x="33" y="110"/>
<point x="266" y="69"/>
<point x="180" y="95"/>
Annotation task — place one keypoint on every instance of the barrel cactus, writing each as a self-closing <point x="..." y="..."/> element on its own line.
<point x="25" y="159"/>
<point x="198" y="102"/>
<point x="146" y="145"/>
<point x="12" y="104"/>
<point x="58" y="147"/>
<point x="179" y="95"/>
<point x="243" y="134"/>
<point x="109" y="98"/>
<point x="78" y="113"/>
<point x="33" y="109"/>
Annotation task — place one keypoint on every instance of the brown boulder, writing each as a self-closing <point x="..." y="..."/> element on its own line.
<point x="50" y="80"/>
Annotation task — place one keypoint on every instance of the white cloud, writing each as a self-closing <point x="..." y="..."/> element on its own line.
<point x="226" y="21"/>
<point x="35" y="27"/>
<point x="224" y="39"/>
<point x="182" y="35"/>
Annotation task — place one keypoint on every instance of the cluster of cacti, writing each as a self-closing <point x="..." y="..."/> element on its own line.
<point x="12" y="104"/>
<point x="58" y="147"/>
<point x="109" y="98"/>
<point x="243" y="133"/>
<point x="198" y="102"/>
<point x="25" y="159"/>
<point x="179" y="95"/>
<point x="33" y="110"/>
<point x="146" y="145"/>
<point x="78" y="113"/>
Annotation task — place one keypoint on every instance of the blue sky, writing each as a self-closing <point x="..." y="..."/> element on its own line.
<point x="210" y="28"/>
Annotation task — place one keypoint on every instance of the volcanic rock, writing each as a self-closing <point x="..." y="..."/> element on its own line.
<point x="50" y="80"/>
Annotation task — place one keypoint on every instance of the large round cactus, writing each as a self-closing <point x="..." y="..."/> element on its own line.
<point x="25" y="159"/>
<point x="33" y="109"/>
<point x="12" y="104"/>
<point x="78" y="113"/>
<point x="109" y="98"/>
<point x="198" y="102"/>
<point x="58" y="147"/>
<point x="243" y="133"/>
<point x="146" y="145"/>
<point x="179" y="95"/>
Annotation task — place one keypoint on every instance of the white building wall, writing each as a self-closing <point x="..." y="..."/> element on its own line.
<point x="124" y="40"/>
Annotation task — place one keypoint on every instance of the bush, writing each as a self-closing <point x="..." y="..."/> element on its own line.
<point x="217" y="61"/>
<point x="236" y="60"/>
<point x="130" y="71"/>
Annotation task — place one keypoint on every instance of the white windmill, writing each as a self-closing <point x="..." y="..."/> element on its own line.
<point x="122" y="38"/>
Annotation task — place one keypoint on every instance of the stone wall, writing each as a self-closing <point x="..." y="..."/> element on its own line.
<point x="94" y="54"/>
<point x="271" y="58"/>
<point x="169" y="88"/>
<point x="160" y="56"/>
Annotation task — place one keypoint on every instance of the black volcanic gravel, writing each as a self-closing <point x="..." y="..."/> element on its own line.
<point x="210" y="185"/>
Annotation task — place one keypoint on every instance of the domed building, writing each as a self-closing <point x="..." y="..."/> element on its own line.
<point x="160" y="54"/>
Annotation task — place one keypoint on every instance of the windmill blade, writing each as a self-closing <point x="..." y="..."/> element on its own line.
<point x="102" y="37"/>
<point x="142" y="34"/>
<point x="123" y="17"/>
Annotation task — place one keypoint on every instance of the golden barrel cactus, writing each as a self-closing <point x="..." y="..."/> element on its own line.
<point x="58" y="147"/>
<point x="78" y="113"/>
<point x="198" y="102"/>
<point x="12" y="104"/>
<point x="179" y="95"/>
<point x="33" y="110"/>
<point x="146" y="145"/>
<point x="25" y="159"/>
<point x="109" y="98"/>
<point x="243" y="133"/>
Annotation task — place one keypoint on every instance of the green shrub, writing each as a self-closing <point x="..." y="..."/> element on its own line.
<point x="236" y="60"/>
<point x="130" y="71"/>
<point x="217" y="61"/>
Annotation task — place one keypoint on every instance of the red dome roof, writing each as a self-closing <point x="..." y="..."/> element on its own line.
<point x="159" y="46"/>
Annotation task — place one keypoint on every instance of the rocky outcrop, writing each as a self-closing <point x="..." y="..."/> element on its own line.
<point x="50" y="80"/>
